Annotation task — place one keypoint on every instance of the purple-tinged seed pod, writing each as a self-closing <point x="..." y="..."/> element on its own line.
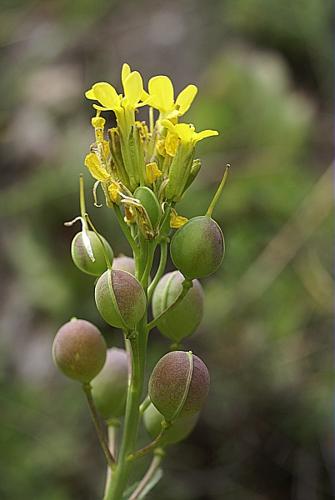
<point x="124" y="263"/>
<point x="197" y="248"/>
<point x="120" y="299"/>
<point x="179" y="384"/>
<point x="79" y="350"/>
<point x="109" y="387"/>
<point x="183" y="319"/>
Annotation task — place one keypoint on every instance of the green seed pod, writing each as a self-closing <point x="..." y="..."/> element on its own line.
<point x="183" y="319"/>
<point x="79" y="350"/>
<point x="179" y="384"/>
<point x="124" y="263"/>
<point x="178" y="431"/>
<point x="150" y="203"/>
<point x="83" y="252"/>
<point x="197" y="248"/>
<point x="109" y="388"/>
<point x="120" y="299"/>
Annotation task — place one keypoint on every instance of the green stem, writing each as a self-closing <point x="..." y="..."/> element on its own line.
<point x="112" y="430"/>
<point x="141" y="258"/>
<point x="152" y="445"/>
<point x="150" y="256"/>
<point x="82" y="196"/>
<point x="95" y="417"/>
<point x="137" y="350"/>
<point x="154" y="465"/>
<point x="126" y="231"/>
<point x="160" y="270"/>
<point x="218" y="192"/>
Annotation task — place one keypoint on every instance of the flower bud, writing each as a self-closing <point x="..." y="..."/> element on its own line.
<point x="197" y="248"/>
<point x="109" y="387"/>
<point x="120" y="299"/>
<point x="178" y="431"/>
<point x="179" y="384"/>
<point x="124" y="263"/>
<point x="87" y="252"/>
<point x="79" y="350"/>
<point x="183" y="319"/>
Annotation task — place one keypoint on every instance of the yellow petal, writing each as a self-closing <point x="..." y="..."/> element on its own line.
<point x="106" y="94"/>
<point x="161" y="93"/>
<point x="205" y="133"/>
<point x="145" y="96"/>
<point x="185" y="98"/>
<point x="160" y="147"/>
<point x="96" y="169"/>
<point x="152" y="172"/>
<point x="176" y="220"/>
<point x="184" y="131"/>
<point x="171" y="143"/>
<point x="90" y="94"/>
<point x="125" y="72"/>
<point x="167" y="124"/>
<point x="133" y="88"/>
<point x="114" y="192"/>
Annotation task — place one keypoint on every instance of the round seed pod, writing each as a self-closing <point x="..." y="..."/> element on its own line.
<point x="79" y="350"/>
<point x="124" y="263"/>
<point x="150" y="203"/>
<point x="197" y="248"/>
<point x="81" y="257"/>
<point x="120" y="298"/>
<point x="109" y="387"/>
<point x="179" y="384"/>
<point x="183" y="319"/>
<point x="178" y="431"/>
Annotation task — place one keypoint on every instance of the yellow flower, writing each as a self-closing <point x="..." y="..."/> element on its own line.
<point x="108" y="97"/>
<point x="152" y="172"/>
<point x="97" y="171"/>
<point x="176" y="220"/>
<point x="161" y="97"/>
<point x="186" y="132"/>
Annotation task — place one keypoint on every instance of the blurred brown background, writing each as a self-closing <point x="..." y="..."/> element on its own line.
<point x="264" y="68"/>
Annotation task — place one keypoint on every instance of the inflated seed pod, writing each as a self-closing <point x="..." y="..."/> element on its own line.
<point x="183" y="319"/>
<point x="124" y="263"/>
<point x="178" y="431"/>
<point x="79" y="350"/>
<point x="81" y="253"/>
<point x="109" y="387"/>
<point x="197" y="248"/>
<point x="179" y="384"/>
<point x="120" y="298"/>
<point x="150" y="203"/>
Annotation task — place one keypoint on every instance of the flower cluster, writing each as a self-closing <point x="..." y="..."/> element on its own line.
<point x="144" y="170"/>
<point x="159" y="155"/>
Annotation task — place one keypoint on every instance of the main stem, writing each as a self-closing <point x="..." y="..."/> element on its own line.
<point x="136" y="347"/>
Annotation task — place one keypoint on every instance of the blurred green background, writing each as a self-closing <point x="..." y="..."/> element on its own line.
<point x="264" y="69"/>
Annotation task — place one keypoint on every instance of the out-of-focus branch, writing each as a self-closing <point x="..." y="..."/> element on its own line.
<point x="285" y="245"/>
